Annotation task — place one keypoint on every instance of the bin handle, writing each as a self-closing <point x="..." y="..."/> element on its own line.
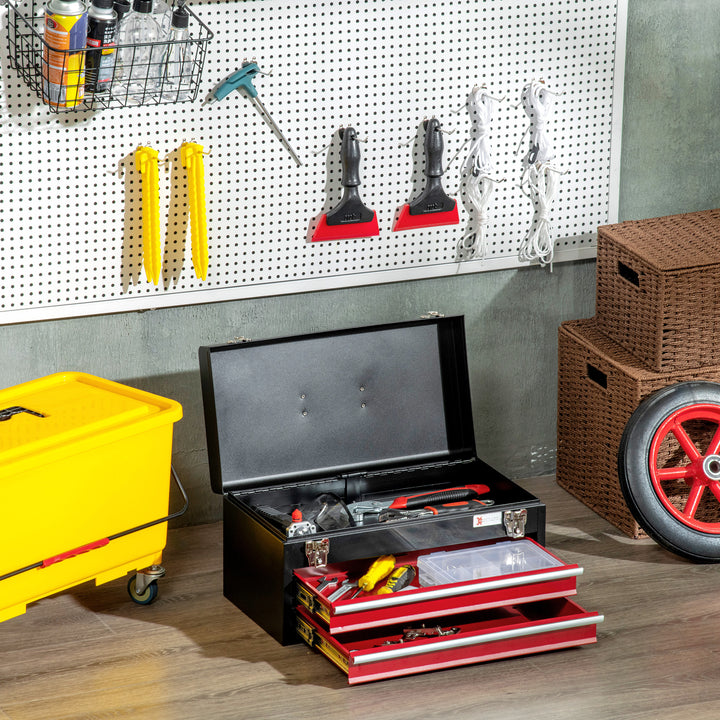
<point x="105" y="541"/>
<point x="167" y="518"/>
<point x="7" y="413"/>
<point x="77" y="551"/>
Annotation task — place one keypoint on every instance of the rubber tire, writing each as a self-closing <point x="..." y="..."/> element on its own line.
<point x="634" y="473"/>
<point x="147" y="596"/>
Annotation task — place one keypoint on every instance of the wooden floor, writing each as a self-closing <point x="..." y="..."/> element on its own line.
<point x="92" y="654"/>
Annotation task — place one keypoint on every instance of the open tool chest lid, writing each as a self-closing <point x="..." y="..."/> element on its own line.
<point x="289" y="410"/>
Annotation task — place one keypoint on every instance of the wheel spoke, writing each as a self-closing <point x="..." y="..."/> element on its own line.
<point x="693" y="500"/>
<point x="685" y="442"/>
<point x="715" y="490"/>
<point x="714" y="446"/>
<point x="676" y="473"/>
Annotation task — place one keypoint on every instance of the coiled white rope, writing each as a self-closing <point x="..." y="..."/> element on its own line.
<point x="540" y="176"/>
<point x="477" y="185"/>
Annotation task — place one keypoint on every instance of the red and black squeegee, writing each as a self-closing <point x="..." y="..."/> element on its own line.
<point x="433" y="206"/>
<point x="350" y="218"/>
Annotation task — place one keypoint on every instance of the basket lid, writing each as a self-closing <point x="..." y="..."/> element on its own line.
<point x="314" y="406"/>
<point x="673" y="242"/>
<point x="66" y="410"/>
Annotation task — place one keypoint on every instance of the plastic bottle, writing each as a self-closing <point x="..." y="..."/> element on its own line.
<point x="163" y="16"/>
<point x="100" y="62"/>
<point x="177" y="63"/>
<point x="140" y="62"/>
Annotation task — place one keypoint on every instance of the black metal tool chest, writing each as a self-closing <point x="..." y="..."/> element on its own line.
<point x="362" y="414"/>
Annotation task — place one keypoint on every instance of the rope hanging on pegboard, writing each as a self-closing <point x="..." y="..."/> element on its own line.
<point x="540" y="176"/>
<point x="476" y="181"/>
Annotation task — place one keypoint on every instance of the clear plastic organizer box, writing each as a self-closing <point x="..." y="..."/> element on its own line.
<point x="505" y="558"/>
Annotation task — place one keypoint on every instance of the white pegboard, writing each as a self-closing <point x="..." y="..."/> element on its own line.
<point x="70" y="197"/>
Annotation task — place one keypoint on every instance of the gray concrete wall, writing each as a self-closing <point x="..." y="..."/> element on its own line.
<point x="669" y="164"/>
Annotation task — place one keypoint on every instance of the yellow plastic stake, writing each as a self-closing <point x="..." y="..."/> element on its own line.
<point x="146" y="163"/>
<point x="191" y="155"/>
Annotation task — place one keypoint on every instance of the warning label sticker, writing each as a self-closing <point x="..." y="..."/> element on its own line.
<point x="494" y="518"/>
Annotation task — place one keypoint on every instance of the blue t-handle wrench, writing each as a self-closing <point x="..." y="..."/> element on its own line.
<point x="242" y="81"/>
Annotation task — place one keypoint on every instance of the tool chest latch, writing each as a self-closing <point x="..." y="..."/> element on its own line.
<point x="317" y="552"/>
<point x="514" y="521"/>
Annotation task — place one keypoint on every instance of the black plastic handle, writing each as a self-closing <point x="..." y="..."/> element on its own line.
<point x="440" y="497"/>
<point x="433" y="148"/>
<point x="350" y="210"/>
<point x="350" y="156"/>
<point x="7" y="413"/>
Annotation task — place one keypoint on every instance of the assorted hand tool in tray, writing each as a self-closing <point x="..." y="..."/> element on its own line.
<point x="329" y="512"/>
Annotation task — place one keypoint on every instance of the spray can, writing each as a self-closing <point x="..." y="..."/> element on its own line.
<point x="63" y="66"/>
<point x="100" y="62"/>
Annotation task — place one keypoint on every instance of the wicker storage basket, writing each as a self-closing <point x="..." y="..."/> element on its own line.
<point x="658" y="288"/>
<point x="600" y="384"/>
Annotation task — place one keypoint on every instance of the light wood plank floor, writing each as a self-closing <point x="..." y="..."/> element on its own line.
<point x="91" y="654"/>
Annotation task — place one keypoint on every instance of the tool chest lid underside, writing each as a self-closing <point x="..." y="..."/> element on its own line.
<point x="293" y="409"/>
<point x="64" y="410"/>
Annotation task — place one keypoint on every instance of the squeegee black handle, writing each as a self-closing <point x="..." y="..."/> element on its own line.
<point x="350" y="156"/>
<point x="433" y="148"/>
<point x="350" y="210"/>
<point x="440" y="498"/>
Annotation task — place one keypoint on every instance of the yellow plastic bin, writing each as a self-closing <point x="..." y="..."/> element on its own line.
<point x="84" y="487"/>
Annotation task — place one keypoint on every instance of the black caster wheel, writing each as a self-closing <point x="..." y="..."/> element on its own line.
<point x="669" y="468"/>
<point x="146" y="596"/>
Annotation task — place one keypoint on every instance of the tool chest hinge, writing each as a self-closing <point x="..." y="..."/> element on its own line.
<point x="317" y="552"/>
<point x="514" y="521"/>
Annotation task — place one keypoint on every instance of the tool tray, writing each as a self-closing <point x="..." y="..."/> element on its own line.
<point x="521" y="578"/>
<point x="365" y="415"/>
<point x="472" y="637"/>
<point x="27" y="45"/>
<point x="463" y="605"/>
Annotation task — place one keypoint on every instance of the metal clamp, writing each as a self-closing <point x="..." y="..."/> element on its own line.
<point x="515" y="521"/>
<point x="317" y="552"/>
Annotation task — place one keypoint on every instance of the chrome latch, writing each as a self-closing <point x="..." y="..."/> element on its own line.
<point x="317" y="552"/>
<point x="514" y="521"/>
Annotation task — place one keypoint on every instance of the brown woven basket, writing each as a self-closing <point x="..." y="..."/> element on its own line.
<point x="658" y="289"/>
<point x="600" y="384"/>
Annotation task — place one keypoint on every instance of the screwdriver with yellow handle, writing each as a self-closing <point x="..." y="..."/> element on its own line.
<point x="191" y="155"/>
<point x="378" y="571"/>
<point x="146" y="163"/>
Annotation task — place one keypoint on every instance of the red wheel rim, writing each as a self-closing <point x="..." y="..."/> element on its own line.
<point x="698" y="470"/>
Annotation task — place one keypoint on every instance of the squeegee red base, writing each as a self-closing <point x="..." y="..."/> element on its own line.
<point x="345" y="232"/>
<point x="406" y="221"/>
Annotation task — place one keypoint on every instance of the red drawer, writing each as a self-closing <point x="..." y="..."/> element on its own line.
<point x="490" y="586"/>
<point x="386" y="652"/>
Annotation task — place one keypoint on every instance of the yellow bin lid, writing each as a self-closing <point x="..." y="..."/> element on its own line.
<point x="69" y="412"/>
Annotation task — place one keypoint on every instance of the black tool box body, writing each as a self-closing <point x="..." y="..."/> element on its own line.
<point x="368" y="413"/>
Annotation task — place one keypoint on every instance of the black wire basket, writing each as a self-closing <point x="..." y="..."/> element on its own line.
<point x="139" y="71"/>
